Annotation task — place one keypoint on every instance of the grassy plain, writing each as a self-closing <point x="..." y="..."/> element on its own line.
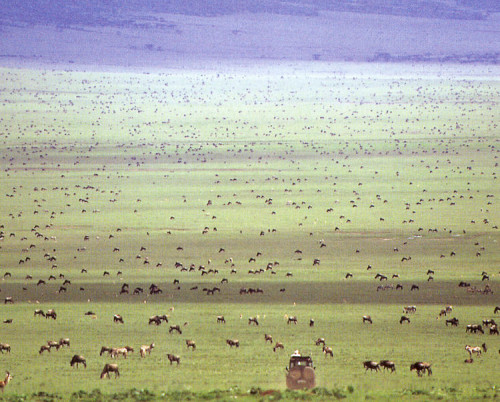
<point x="354" y="165"/>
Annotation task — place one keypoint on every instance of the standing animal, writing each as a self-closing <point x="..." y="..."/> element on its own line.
<point x="404" y="319"/>
<point x="38" y="312"/>
<point x="175" y="328"/>
<point x="146" y="349"/>
<point x="5" y="381"/>
<point x="421" y="367"/>
<point x="4" y="346"/>
<point x="64" y="342"/>
<point x="110" y="368"/>
<point x="173" y="358"/>
<point x="51" y="314"/>
<point x="253" y="320"/>
<point x="369" y="365"/>
<point x="221" y="319"/>
<point x="268" y="338"/>
<point x="388" y="365"/>
<point x="454" y="322"/>
<point x="115" y="352"/>
<point x="77" y="359"/>
<point x="53" y="344"/>
<point x="233" y="342"/>
<point x="292" y="319"/>
<point x="473" y="349"/>
<point x="190" y="344"/>
<point x="320" y="341"/>
<point x="44" y="348"/>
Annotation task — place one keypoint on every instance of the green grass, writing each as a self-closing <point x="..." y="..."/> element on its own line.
<point x="266" y="162"/>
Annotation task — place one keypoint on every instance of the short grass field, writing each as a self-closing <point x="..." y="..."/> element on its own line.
<point x="304" y="181"/>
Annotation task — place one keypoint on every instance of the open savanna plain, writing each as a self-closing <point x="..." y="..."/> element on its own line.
<point x="250" y="192"/>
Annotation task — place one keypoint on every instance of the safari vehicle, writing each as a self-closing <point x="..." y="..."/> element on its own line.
<point x="300" y="372"/>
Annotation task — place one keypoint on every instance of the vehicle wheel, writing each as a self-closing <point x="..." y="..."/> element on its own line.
<point x="295" y="374"/>
<point x="309" y="374"/>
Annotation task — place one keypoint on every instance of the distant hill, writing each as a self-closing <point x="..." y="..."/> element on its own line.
<point x="172" y="32"/>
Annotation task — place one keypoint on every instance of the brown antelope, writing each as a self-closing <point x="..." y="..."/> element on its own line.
<point x="6" y="380"/>
<point x="369" y="365"/>
<point x="64" y="342"/>
<point x="110" y="368"/>
<point x="53" y="344"/>
<point x="190" y="344"/>
<point x="105" y="349"/>
<point x="77" y="359"/>
<point x="146" y="349"/>
<point x="387" y="364"/>
<point x="221" y="319"/>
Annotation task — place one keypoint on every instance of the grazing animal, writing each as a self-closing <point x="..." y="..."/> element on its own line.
<point x="369" y="365"/>
<point x="454" y="322"/>
<point x="51" y="314"/>
<point x="8" y="300"/>
<point x="473" y="349"/>
<point x="233" y="342"/>
<point x="421" y="367"/>
<point x="327" y="351"/>
<point x="367" y="318"/>
<point x="221" y="319"/>
<point x="175" y="328"/>
<point x="5" y="381"/>
<point x="268" y="338"/>
<point x="320" y="341"/>
<point x="497" y="310"/>
<point x="409" y="309"/>
<point x="146" y="349"/>
<point x="110" y="368"/>
<point x="388" y="365"/>
<point x="253" y="320"/>
<point x="292" y="319"/>
<point x="414" y="287"/>
<point x="4" y="346"/>
<point x="190" y="344"/>
<point x="494" y="329"/>
<point x="118" y="318"/>
<point x="64" y="342"/>
<point x="173" y="358"/>
<point x="470" y="360"/>
<point x="278" y="345"/>
<point x="115" y="352"/>
<point x="484" y="347"/>
<point x="105" y="349"/>
<point x="44" y="348"/>
<point x="38" y="312"/>
<point x="154" y="320"/>
<point x="77" y="359"/>
<point x="403" y="319"/>
<point x="53" y="344"/>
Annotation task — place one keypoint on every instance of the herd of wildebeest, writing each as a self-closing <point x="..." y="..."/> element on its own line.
<point x="293" y="188"/>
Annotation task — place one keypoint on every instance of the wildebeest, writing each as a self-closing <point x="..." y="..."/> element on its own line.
<point x="369" y="365"/>
<point x="118" y="318"/>
<point x="190" y="344"/>
<point x="453" y="321"/>
<point x="77" y="359"/>
<point x="404" y="319"/>
<point x="233" y="342"/>
<point x="494" y="329"/>
<point x="292" y="319"/>
<point x="367" y="318"/>
<point x="421" y="367"/>
<point x="173" y="358"/>
<point x="253" y="320"/>
<point x="9" y="300"/>
<point x="53" y="344"/>
<point x="38" y="312"/>
<point x="474" y="328"/>
<point x="110" y="368"/>
<point x="44" y="348"/>
<point x="4" y="346"/>
<point x="221" y="319"/>
<point x="388" y="365"/>
<point x="268" y="338"/>
<point x="175" y="328"/>
<point x="146" y="349"/>
<point x="473" y="349"/>
<point x="64" y="342"/>
<point x="105" y="349"/>
<point x="327" y="351"/>
<point x="51" y="314"/>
